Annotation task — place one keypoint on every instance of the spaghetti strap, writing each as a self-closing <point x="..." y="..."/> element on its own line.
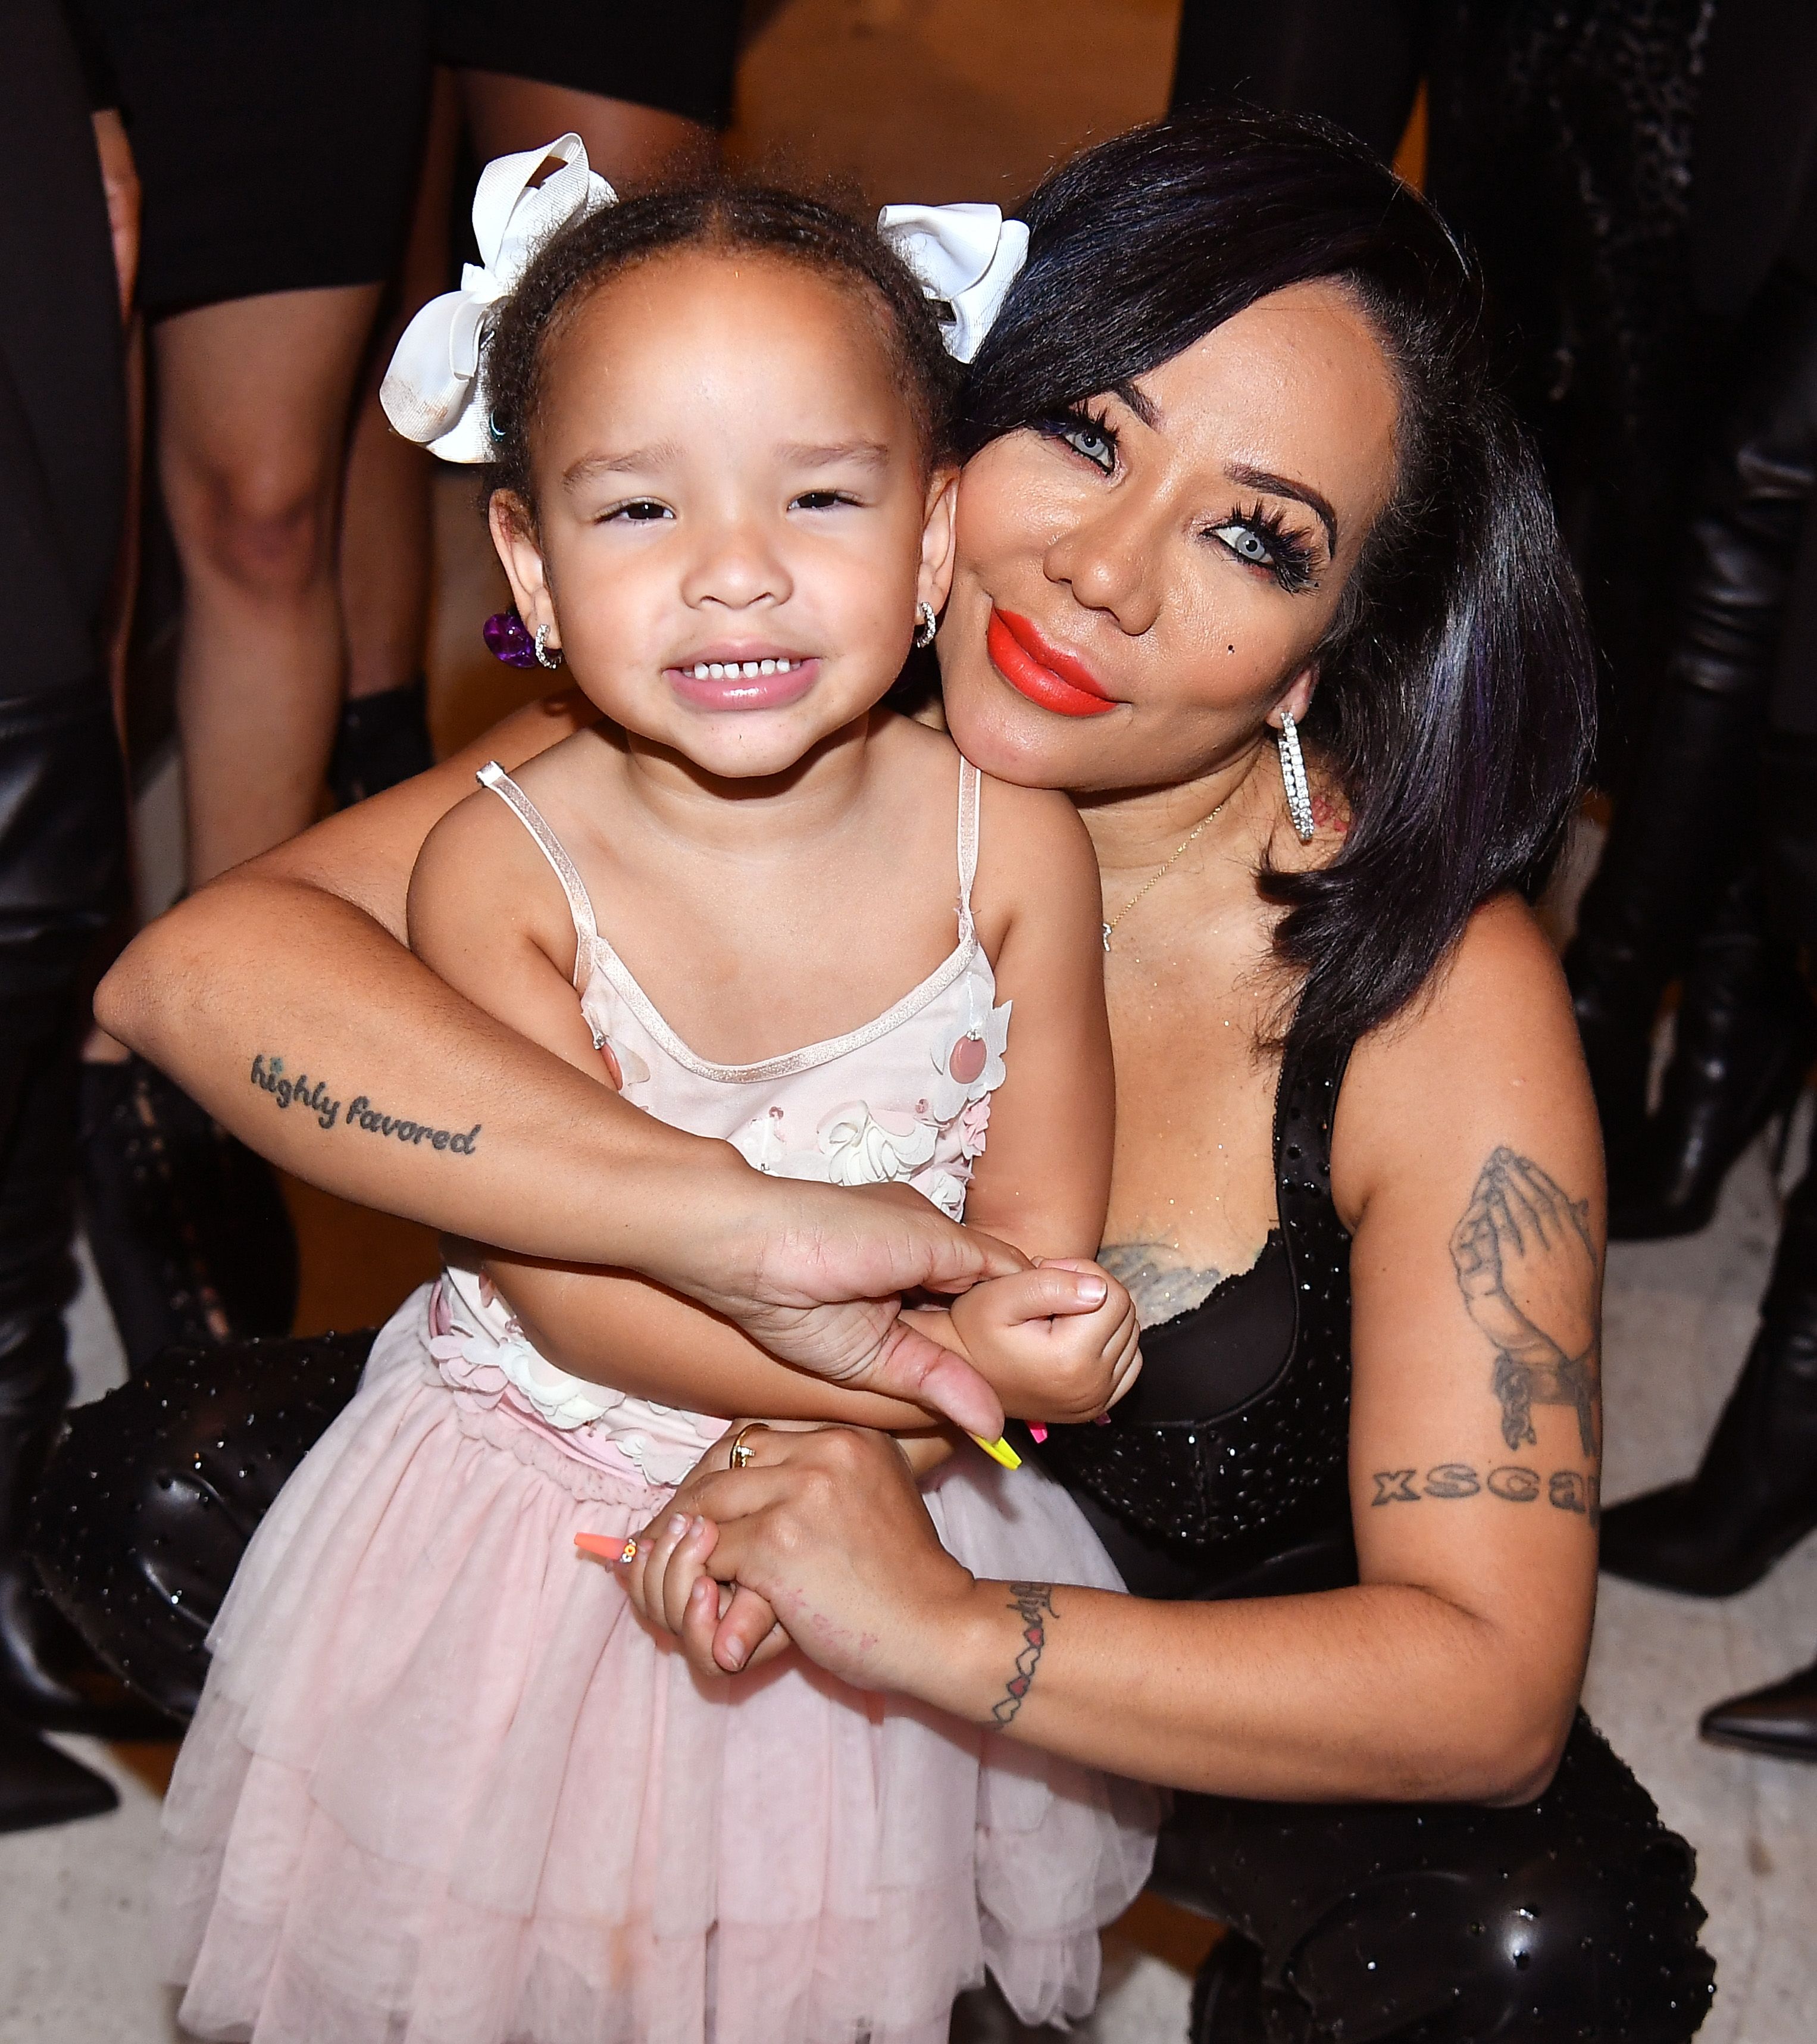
<point x="970" y="784"/>
<point x="494" y="776"/>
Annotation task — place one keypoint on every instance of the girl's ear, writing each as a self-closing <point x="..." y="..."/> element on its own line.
<point x="514" y="536"/>
<point x="1298" y="699"/>
<point x="937" y="540"/>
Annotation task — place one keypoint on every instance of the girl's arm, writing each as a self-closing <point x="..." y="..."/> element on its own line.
<point x="299" y="955"/>
<point x="487" y="915"/>
<point x="1467" y="1162"/>
<point x="1043" y="1180"/>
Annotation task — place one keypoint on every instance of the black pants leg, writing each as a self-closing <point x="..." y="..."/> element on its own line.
<point x="1572" y="1916"/>
<point x="1434" y="1922"/>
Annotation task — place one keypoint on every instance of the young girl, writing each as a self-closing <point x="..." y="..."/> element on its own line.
<point x="443" y="1785"/>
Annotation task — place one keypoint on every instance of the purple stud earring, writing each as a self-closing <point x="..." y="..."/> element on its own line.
<point x="507" y="640"/>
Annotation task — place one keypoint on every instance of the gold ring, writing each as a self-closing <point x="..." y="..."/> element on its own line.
<point x="741" y="1456"/>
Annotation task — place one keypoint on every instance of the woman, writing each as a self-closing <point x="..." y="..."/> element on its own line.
<point x="1236" y="464"/>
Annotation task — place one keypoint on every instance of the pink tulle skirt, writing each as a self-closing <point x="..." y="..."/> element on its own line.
<point x="445" y="1788"/>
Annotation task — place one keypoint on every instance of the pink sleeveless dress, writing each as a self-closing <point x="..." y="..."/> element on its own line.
<point x="445" y="1788"/>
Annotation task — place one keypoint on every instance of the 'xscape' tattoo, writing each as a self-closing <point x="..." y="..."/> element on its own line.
<point x="1527" y="1270"/>
<point x="269" y="1076"/>
<point x="1034" y="1602"/>
<point x="1565" y="1490"/>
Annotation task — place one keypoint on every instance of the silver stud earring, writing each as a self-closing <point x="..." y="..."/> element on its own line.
<point x="1293" y="777"/>
<point x="926" y="625"/>
<point x="544" y="657"/>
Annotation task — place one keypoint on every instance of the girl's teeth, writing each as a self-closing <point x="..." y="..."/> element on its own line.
<point x="718" y="670"/>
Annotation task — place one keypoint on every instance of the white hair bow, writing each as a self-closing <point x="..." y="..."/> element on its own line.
<point x="966" y="256"/>
<point x="435" y="389"/>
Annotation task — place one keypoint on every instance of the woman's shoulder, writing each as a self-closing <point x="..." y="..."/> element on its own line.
<point x="1488" y="1054"/>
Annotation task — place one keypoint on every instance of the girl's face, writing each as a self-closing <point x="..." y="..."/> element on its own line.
<point x="1140" y="587"/>
<point x="734" y="523"/>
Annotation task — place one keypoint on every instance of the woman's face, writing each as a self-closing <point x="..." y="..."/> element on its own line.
<point x="1139" y="586"/>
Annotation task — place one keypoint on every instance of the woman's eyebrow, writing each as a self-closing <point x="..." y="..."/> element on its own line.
<point x="1283" y="485"/>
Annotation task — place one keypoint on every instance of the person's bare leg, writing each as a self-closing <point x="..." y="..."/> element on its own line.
<point x="385" y="550"/>
<point x="253" y="402"/>
<point x="627" y="145"/>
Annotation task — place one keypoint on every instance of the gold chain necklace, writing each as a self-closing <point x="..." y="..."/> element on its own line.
<point x="1166" y="867"/>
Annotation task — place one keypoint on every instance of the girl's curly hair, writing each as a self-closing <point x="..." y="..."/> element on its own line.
<point x="720" y="214"/>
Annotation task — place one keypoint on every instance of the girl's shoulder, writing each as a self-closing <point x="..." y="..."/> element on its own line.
<point x="483" y="865"/>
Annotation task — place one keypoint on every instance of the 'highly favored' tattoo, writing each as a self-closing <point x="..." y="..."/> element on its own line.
<point x="1527" y="1270"/>
<point x="1033" y="1603"/>
<point x="269" y="1076"/>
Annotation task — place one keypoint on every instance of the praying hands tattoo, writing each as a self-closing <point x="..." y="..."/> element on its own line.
<point x="1527" y="1270"/>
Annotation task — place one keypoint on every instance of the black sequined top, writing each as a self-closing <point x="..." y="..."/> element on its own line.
<point x="1223" y="1474"/>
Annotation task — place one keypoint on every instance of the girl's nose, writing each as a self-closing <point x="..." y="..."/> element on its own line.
<point x="737" y="564"/>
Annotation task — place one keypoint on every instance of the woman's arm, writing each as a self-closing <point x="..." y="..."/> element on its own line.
<point x="298" y="956"/>
<point x="1467" y="1162"/>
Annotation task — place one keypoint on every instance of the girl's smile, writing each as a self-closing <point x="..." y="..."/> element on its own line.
<point x="744" y="681"/>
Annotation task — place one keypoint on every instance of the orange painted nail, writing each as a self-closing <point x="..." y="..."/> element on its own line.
<point x="605" y="1547"/>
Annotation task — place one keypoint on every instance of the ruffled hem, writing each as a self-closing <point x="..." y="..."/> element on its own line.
<point x="444" y="1787"/>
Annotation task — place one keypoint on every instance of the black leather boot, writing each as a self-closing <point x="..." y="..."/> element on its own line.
<point x="40" y="1786"/>
<point x="1779" y="1720"/>
<point x="188" y="1228"/>
<point x="1755" y="1495"/>
<point x="48" y="1680"/>
<point x="1746" y="1035"/>
<point x="382" y="740"/>
<point x="1669" y="853"/>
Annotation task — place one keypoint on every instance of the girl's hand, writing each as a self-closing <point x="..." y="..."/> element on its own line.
<point x="1059" y="1344"/>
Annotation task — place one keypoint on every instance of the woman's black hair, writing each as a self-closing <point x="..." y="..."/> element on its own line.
<point x="719" y="214"/>
<point x="1455" y="706"/>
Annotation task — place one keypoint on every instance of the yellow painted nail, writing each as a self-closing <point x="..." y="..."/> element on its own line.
<point x="999" y="1451"/>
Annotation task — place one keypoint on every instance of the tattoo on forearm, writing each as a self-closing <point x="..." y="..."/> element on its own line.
<point x="269" y="1075"/>
<point x="1565" y="1490"/>
<point x="1527" y="1270"/>
<point x="1033" y="1603"/>
<point x="1158" y="1278"/>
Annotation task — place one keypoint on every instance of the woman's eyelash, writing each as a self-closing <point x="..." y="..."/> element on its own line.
<point x="1259" y="538"/>
<point x="1084" y="424"/>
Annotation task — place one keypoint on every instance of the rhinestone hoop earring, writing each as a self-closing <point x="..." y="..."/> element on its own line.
<point x="544" y="658"/>
<point x="926" y="625"/>
<point x="1293" y="777"/>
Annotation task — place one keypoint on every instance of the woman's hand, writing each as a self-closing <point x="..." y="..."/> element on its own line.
<point x="827" y="1535"/>
<point x="1059" y="1344"/>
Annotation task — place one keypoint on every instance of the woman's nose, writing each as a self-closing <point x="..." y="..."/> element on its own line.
<point x="1111" y="562"/>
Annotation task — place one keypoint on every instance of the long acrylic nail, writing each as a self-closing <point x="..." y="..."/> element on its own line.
<point x="999" y="1451"/>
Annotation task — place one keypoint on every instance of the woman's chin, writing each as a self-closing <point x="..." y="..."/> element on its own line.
<point x="1006" y="735"/>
